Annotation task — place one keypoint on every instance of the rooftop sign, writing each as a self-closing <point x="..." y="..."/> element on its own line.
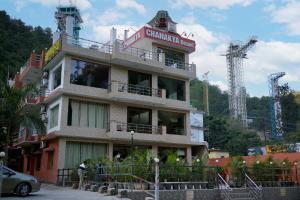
<point x="169" y="38"/>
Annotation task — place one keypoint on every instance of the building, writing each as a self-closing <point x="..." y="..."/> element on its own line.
<point x="99" y="98"/>
<point x="217" y="153"/>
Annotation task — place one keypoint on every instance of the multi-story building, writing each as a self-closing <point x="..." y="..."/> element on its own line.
<point x="100" y="98"/>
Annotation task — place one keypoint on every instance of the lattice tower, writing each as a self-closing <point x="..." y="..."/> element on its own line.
<point x="236" y="89"/>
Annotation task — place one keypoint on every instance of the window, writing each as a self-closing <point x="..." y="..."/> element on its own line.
<point x="173" y="121"/>
<point x="77" y="152"/>
<point x="54" y="116"/>
<point x="89" y="74"/>
<point x="38" y="162"/>
<point x="139" y="83"/>
<point x="50" y="159"/>
<point x="57" y="77"/>
<point x="174" y="59"/>
<point x="139" y="116"/>
<point x="175" y="89"/>
<point x="87" y="114"/>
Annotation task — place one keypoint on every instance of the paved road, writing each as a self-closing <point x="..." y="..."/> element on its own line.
<point x="50" y="192"/>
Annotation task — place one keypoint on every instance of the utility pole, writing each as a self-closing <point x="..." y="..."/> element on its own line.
<point x="205" y="93"/>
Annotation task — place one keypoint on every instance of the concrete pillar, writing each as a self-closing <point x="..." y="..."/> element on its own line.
<point x="154" y="81"/>
<point x="61" y="153"/>
<point x="154" y="151"/>
<point x="110" y="151"/>
<point x="189" y="155"/>
<point x="154" y="117"/>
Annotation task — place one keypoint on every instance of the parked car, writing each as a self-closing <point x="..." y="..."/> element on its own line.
<point x="18" y="183"/>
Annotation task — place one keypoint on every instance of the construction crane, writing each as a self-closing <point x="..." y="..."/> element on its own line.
<point x="276" y="120"/>
<point x="205" y="93"/>
<point x="235" y="54"/>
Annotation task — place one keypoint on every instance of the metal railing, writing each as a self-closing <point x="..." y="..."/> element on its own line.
<point x="141" y="53"/>
<point x="89" y="44"/>
<point x="224" y="188"/>
<point x="178" y="64"/>
<point x="137" y="128"/>
<point x="254" y="190"/>
<point x="136" y="89"/>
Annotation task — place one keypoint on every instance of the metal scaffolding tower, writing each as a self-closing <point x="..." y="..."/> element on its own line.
<point x="236" y="90"/>
<point x="205" y="93"/>
<point x="276" y="121"/>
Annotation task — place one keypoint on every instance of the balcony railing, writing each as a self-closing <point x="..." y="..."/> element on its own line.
<point x="138" y="128"/>
<point x="135" y="89"/>
<point x="178" y="64"/>
<point x="89" y="44"/>
<point x="141" y="53"/>
<point x="133" y="51"/>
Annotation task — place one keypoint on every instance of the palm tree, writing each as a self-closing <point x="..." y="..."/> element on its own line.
<point x="12" y="114"/>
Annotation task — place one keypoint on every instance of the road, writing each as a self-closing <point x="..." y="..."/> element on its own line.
<point x="50" y="192"/>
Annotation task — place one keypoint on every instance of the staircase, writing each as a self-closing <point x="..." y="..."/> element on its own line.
<point x="250" y="192"/>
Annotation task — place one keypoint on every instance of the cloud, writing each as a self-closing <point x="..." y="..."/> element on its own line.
<point x="140" y="8"/>
<point x="223" y="4"/>
<point x="289" y="15"/>
<point x="271" y="57"/>
<point x="82" y="4"/>
<point x="223" y="86"/>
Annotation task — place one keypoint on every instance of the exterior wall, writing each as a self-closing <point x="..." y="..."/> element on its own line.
<point x="218" y="154"/>
<point x="275" y="193"/>
<point x="279" y="157"/>
<point x="44" y="174"/>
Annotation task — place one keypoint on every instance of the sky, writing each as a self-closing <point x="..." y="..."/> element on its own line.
<point x="213" y="23"/>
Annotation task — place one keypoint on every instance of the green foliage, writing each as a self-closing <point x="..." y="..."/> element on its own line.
<point x="232" y="138"/>
<point x="12" y="113"/>
<point x="236" y="166"/>
<point x="17" y="40"/>
<point x="218" y="100"/>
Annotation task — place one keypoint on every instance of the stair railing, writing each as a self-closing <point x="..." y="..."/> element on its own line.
<point x="224" y="188"/>
<point x="254" y="190"/>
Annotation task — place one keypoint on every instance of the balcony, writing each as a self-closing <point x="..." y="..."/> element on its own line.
<point x="27" y="136"/>
<point x="145" y="133"/>
<point x="31" y="71"/>
<point x="138" y="128"/>
<point x="132" y="57"/>
<point x="139" y="95"/>
<point x="137" y="58"/>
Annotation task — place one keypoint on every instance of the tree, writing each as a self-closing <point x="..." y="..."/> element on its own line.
<point x="13" y="115"/>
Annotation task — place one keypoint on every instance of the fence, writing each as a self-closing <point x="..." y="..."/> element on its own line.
<point x="143" y="176"/>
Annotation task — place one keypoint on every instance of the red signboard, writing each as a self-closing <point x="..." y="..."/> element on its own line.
<point x="167" y="37"/>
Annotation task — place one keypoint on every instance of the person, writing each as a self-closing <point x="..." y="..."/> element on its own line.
<point x="81" y="171"/>
<point x="99" y="172"/>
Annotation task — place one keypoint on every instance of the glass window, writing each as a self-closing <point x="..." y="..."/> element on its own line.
<point x="89" y="74"/>
<point x="175" y="89"/>
<point x="54" y="116"/>
<point x="139" y="83"/>
<point x="77" y="152"/>
<point x="174" y="59"/>
<point x="139" y="116"/>
<point x="87" y="114"/>
<point x="50" y="159"/>
<point x="173" y="121"/>
<point x="57" y="77"/>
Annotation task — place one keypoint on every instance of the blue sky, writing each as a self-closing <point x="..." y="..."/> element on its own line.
<point x="214" y="24"/>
